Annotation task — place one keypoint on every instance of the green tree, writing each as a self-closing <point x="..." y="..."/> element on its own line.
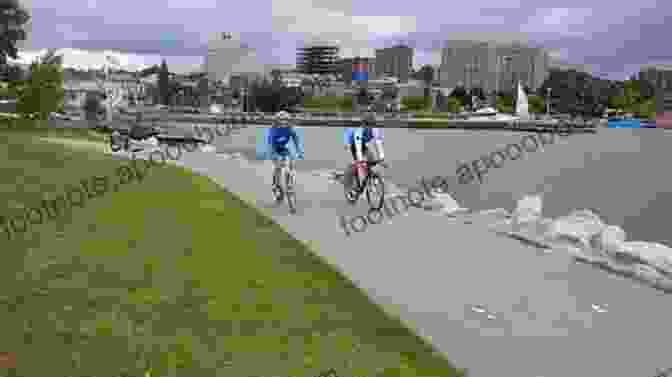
<point x="617" y="102"/>
<point x="453" y="105"/>
<point x="504" y="103"/>
<point x="537" y="104"/>
<point x="631" y="94"/>
<point x="43" y="92"/>
<point x="645" y="109"/>
<point x="346" y="103"/>
<point x="164" y="83"/>
<point x="13" y="19"/>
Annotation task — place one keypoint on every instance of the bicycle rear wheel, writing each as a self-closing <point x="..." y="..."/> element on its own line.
<point x="375" y="191"/>
<point x="351" y="194"/>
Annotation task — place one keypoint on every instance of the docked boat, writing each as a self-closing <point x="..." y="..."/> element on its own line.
<point x="491" y="114"/>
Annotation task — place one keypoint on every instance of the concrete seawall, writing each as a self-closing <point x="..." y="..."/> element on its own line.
<point x="352" y="120"/>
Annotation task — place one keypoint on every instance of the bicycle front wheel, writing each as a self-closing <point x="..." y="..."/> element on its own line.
<point x="289" y="191"/>
<point x="375" y="191"/>
<point x="114" y="144"/>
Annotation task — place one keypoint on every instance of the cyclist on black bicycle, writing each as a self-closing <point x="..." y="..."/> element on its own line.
<point x="279" y="137"/>
<point x="356" y="140"/>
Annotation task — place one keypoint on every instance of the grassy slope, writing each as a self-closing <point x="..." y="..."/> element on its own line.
<point x="177" y="273"/>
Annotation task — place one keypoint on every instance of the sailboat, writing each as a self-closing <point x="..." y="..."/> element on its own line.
<point x="522" y="106"/>
<point x="491" y="114"/>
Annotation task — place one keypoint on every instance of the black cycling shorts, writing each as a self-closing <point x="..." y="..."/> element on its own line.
<point x="353" y="150"/>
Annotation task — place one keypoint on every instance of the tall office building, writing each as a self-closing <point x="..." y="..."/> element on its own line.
<point x="395" y="61"/>
<point x="227" y="56"/>
<point x="492" y="66"/>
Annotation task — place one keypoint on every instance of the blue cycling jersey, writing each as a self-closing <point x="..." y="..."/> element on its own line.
<point x="361" y="135"/>
<point x="278" y="139"/>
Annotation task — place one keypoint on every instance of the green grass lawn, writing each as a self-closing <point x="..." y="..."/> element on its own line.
<point x="178" y="275"/>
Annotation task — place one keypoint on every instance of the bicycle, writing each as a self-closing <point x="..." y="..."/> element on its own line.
<point x="119" y="141"/>
<point x="280" y="192"/>
<point x="373" y="184"/>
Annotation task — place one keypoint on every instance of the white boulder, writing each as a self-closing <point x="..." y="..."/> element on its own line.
<point x="579" y="227"/>
<point x="610" y="241"/>
<point x="528" y="210"/>
<point x="654" y="254"/>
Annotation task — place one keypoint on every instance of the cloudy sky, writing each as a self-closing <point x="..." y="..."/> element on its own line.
<point x="612" y="38"/>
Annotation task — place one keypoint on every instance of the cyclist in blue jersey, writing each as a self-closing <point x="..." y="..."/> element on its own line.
<point x="280" y="151"/>
<point x="356" y="139"/>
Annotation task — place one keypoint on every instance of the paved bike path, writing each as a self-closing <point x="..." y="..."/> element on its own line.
<point x="435" y="274"/>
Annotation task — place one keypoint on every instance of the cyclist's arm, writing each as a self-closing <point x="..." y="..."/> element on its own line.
<point x="359" y="141"/>
<point x="269" y="136"/>
<point x="269" y="142"/>
<point x="380" y="150"/>
<point x="298" y="142"/>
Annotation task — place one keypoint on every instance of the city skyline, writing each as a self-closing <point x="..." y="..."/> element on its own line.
<point x="612" y="41"/>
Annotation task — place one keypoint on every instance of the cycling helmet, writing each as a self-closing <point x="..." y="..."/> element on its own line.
<point x="282" y="117"/>
<point x="369" y="119"/>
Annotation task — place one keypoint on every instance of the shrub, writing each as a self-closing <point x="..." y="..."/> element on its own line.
<point x="43" y="92"/>
<point x="416" y="103"/>
<point x="645" y="110"/>
<point x="335" y="103"/>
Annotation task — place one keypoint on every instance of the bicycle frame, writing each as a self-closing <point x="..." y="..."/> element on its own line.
<point x="284" y="179"/>
<point x="287" y="168"/>
<point x="367" y="178"/>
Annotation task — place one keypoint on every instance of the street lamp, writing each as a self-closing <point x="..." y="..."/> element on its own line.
<point x="243" y="92"/>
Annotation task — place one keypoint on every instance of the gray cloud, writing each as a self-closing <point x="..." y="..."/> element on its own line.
<point x="612" y="38"/>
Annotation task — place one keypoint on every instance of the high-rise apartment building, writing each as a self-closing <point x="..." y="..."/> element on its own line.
<point x="661" y="78"/>
<point x="317" y="59"/>
<point x="395" y="61"/>
<point x="658" y="75"/>
<point x="492" y="66"/>
<point x="227" y="56"/>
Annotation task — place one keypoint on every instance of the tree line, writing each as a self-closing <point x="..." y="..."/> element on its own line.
<point x="40" y="91"/>
<point x="571" y="92"/>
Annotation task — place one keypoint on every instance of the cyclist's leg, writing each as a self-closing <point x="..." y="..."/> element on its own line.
<point x="277" y="167"/>
<point x="359" y="173"/>
<point x="291" y="170"/>
<point x="366" y="153"/>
